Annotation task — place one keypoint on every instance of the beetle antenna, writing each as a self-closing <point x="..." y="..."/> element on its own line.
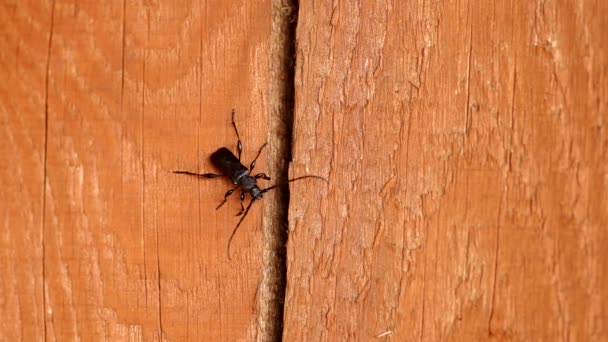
<point x="237" y="227"/>
<point x="292" y="180"/>
<point x="253" y="200"/>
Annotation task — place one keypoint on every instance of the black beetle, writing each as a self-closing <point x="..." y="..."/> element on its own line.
<point x="230" y="166"/>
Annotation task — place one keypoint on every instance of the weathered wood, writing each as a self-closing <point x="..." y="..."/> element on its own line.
<point x="467" y="152"/>
<point x="280" y="102"/>
<point x="123" y="249"/>
<point x="465" y="145"/>
<point x="24" y="37"/>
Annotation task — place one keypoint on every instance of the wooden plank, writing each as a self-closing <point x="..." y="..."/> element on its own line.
<point x="466" y="148"/>
<point x="137" y="89"/>
<point x="24" y="39"/>
<point x="271" y="291"/>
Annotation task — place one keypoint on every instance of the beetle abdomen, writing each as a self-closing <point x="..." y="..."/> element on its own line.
<point x="225" y="161"/>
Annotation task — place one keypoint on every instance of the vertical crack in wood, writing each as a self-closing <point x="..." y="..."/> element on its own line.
<point x="281" y="104"/>
<point x="45" y="165"/>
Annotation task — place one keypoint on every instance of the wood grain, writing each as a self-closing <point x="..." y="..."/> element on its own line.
<point x="465" y="144"/>
<point x="467" y="152"/>
<point x="100" y="240"/>
<point x="24" y="40"/>
<point x="271" y="292"/>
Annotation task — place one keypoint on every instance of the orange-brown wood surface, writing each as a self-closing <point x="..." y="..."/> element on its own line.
<point x="466" y="147"/>
<point x="465" y="144"/>
<point x="99" y="240"/>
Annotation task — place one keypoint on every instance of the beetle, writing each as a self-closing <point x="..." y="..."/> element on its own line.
<point x="241" y="177"/>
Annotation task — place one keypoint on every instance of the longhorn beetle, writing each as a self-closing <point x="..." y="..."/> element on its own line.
<point x="230" y="166"/>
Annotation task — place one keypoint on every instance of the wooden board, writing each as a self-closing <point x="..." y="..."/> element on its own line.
<point x="100" y="239"/>
<point x="467" y="153"/>
<point x="465" y="145"/>
<point x="23" y="62"/>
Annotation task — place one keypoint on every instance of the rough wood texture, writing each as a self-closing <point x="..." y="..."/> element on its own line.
<point x="99" y="239"/>
<point x="280" y="101"/>
<point x="466" y="145"/>
<point x="24" y="37"/>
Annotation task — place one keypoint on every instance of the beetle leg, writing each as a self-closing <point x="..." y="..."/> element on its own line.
<point x="239" y="145"/>
<point x="206" y="175"/>
<point x="256" y="158"/>
<point x="262" y="175"/>
<point x="242" y="207"/>
<point x="228" y="193"/>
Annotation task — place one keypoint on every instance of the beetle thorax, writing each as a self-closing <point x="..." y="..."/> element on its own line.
<point x="248" y="184"/>
<point x="239" y="177"/>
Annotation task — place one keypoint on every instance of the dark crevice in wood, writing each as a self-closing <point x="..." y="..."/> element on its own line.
<point x="45" y="166"/>
<point x="281" y="107"/>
